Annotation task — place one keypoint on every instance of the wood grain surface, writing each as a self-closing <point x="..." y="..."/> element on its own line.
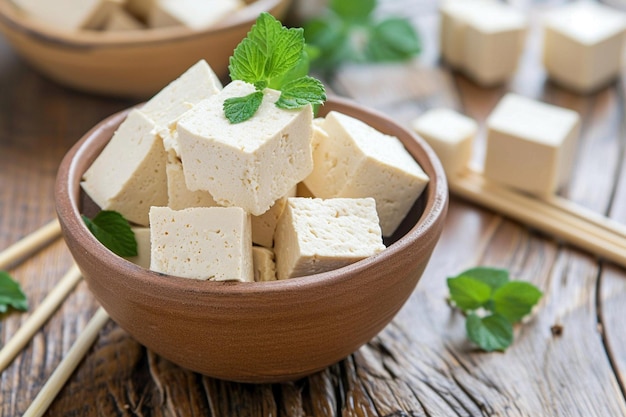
<point x="419" y="365"/>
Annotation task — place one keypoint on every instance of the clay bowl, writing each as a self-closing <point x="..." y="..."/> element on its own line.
<point x="262" y="331"/>
<point x="134" y="63"/>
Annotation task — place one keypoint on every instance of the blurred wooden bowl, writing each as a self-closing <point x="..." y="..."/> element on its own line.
<point x="134" y="64"/>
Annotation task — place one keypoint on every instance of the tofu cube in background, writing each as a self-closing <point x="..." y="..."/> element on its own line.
<point x="121" y="20"/>
<point x="194" y="14"/>
<point x="70" y="15"/>
<point x="356" y="161"/>
<point x="530" y="145"/>
<point x="142" y="236"/>
<point x="129" y="174"/>
<point x="583" y="44"/>
<point x="178" y="195"/>
<point x="264" y="264"/>
<point x="168" y="105"/>
<point x="315" y="235"/>
<point x="249" y="164"/>
<point x="450" y="134"/>
<point x="263" y="226"/>
<point x="204" y="243"/>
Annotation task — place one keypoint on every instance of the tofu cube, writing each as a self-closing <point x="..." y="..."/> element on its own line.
<point x="263" y="226"/>
<point x="249" y="164"/>
<point x="264" y="264"/>
<point x="178" y="195"/>
<point x="583" y="44"/>
<point x="142" y="236"/>
<point x="195" y="14"/>
<point x="357" y="161"/>
<point x="450" y="134"/>
<point x="129" y="174"/>
<point x="204" y="243"/>
<point x="69" y="15"/>
<point x="315" y="235"/>
<point x="530" y="145"/>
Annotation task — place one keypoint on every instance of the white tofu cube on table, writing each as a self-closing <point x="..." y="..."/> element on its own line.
<point x="250" y="164"/>
<point x="530" y="145"/>
<point x="450" y="134"/>
<point x="583" y="45"/>
<point x="204" y="243"/>
<point x="315" y="235"/>
<point x="357" y="161"/>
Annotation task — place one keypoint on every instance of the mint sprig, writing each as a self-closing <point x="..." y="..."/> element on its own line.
<point x="272" y="56"/>
<point x="11" y="294"/>
<point x="114" y="232"/>
<point x="492" y="304"/>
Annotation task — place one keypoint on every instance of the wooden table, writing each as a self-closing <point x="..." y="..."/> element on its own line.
<point x="421" y="364"/>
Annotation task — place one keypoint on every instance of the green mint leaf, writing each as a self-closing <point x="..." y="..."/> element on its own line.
<point x="353" y="10"/>
<point x="490" y="333"/>
<point x="301" y="69"/>
<point x="240" y="109"/>
<point x="300" y="92"/>
<point x="494" y="277"/>
<point x="11" y="294"/>
<point x="468" y="293"/>
<point x="515" y="299"/>
<point x="393" y="39"/>
<point x="247" y="63"/>
<point x="114" y="232"/>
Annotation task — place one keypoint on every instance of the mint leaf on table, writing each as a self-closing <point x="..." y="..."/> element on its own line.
<point x="492" y="304"/>
<point x="11" y="294"/>
<point x="114" y="232"/>
<point x="272" y="56"/>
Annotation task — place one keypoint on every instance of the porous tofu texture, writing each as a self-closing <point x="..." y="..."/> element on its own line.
<point x="195" y="14"/>
<point x="205" y="243"/>
<point x="249" y="164"/>
<point x="129" y="175"/>
<point x="356" y="161"/>
<point x="315" y="235"/>
<point x="179" y="196"/>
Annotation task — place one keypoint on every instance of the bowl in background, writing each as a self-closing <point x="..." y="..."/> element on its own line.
<point x="134" y="64"/>
<point x="259" y="331"/>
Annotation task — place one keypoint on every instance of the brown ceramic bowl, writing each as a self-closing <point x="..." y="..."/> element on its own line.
<point x="261" y="331"/>
<point x="131" y="63"/>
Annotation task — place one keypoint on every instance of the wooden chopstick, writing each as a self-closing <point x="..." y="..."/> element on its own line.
<point x="39" y="316"/>
<point x="67" y="366"/>
<point x="29" y="244"/>
<point x="551" y="219"/>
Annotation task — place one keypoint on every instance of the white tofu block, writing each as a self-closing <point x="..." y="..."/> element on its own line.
<point x="356" y="160"/>
<point x="129" y="175"/>
<point x="195" y="14"/>
<point x="142" y="236"/>
<point x="263" y="226"/>
<point x="168" y="105"/>
<point x="264" y="264"/>
<point x="450" y="134"/>
<point x="583" y="44"/>
<point x="70" y="14"/>
<point x="121" y="20"/>
<point x="249" y="164"/>
<point x="530" y="145"/>
<point x="315" y="235"/>
<point x="178" y="195"/>
<point x="205" y="243"/>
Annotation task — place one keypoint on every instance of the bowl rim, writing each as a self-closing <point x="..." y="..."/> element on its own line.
<point x="13" y="18"/>
<point x="67" y="196"/>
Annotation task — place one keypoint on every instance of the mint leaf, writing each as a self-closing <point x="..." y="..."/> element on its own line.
<point x="240" y="109"/>
<point x="301" y="69"/>
<point x="11" y="294"/>
<point x="393" y="39"/>
<point x="353" y="10"/>
<point x="494" y="277"/>
<point x="114" y="232"/>
<point x="515" y="299"/>
<point x="248" y="62"/>
<point x="300" y="92"/>
<point x="468" y="293"/>
<point x="491" y="333"/>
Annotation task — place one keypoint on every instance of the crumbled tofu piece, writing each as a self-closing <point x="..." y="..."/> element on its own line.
<point x="356" y="160"/>
<point x="120" y="20"/>
<point x="315" y="235"/>
<point x="249" y="164"/>
<point x="583" y="44"/>
<point x="142" y="236"/>
<point x="451" y="136"/>
<point x="195" y="14"/>
<point x="70" y="14"/>
<point x="205" y="243"/>
<point x="263" y="226"/>
<point x="166" y="107"/>
<point x="129" y="175"/>
<point x="264" y="264"/>
<point x="530" y="144"/>
<point x="179" y="196"/>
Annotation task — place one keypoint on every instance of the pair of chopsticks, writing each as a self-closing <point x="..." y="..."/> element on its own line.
<point x="555" y="216"/>
<point x="11" y="256"/>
